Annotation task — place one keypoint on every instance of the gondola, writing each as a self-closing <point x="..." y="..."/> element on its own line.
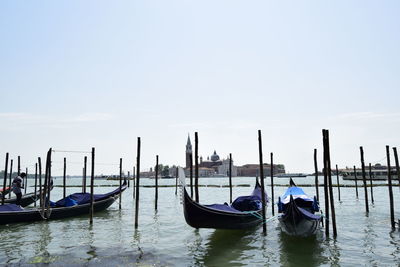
<point x="26" y="199"/>
<point x="298" y="210"/>
<point x="73" y="205"/>
<point x="244" y="212"/>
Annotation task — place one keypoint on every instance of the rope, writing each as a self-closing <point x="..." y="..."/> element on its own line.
<point x="255" y="214"/>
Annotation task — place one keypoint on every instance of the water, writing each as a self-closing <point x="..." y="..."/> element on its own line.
<point x="164" y="239"/>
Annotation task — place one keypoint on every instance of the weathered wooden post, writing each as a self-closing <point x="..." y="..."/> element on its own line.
<point x="272" y="184"/>
<point x="316" y="173"/>
<point x="84" y="174"/>
<point x="396" y="159"/>
<point x="36" y="170"/>
<point x="176" y="180"/>
<point x="19" y="165"/>
<point x="129" y="177"/>
<point x="156" y="193"/>
<point x="390" y="189"/>
<point x="262" y="181"/>
<point x="65" y="178"/>
<point x="332" y="202"/>
<point x="10" y="179"/>
<point x="230" y="177"/>
<point x="26" y="180"/>
<point x="191" y="175"/>
<point x="120" y="182"/>
<point x="40" y="182"/>
<point x="137" y="184"/>
<point x="49" y="184"/>
<point x="326" y="192"/>
<point x="196" y="168"/>
<point x="92" y="188"/>
<point x="134" y="183"/>
<point x="355" y="180"/>
<point x="3" y="195"/>
<point x="364" y="179"/>
<point x="337" y="180"/>
<point x="370" y="181"/>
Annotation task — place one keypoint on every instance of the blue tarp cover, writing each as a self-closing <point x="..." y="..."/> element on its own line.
<point x="83" y="198"/>
<point x="10" y="207"/>
<point x="296" y="192"/>
<point x="247" y="203"/>
<point x="309" y="215"/>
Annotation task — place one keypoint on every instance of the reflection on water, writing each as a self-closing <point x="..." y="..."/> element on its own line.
<point x="42" y="254"/>
<point x="226" y="247"/>
<point x="164" y="239"/>
<point x="301" y="251"/>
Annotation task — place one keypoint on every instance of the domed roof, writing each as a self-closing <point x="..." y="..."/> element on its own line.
<point x="214" y="157"/>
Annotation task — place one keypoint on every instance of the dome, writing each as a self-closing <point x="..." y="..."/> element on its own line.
<point x="214" y="157"/>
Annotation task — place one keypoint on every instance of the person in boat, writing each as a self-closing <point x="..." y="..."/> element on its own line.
<point x="17" y="184"/>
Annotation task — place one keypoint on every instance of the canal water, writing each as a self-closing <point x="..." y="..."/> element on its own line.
<point x="164" y="239"/>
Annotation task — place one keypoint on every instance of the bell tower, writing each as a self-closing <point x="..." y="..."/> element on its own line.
<point x="188" y="152"/>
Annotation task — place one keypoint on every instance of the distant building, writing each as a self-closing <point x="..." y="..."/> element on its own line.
<point x="189" y="152"/>
<point x="253" y="170"/>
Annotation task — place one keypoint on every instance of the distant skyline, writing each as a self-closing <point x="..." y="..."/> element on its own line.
<point x="82" y="74"/>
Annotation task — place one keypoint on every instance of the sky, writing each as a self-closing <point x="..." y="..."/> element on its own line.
<point x="83" y="74"/>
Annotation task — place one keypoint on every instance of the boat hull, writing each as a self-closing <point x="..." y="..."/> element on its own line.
<point x="200" y="216"/>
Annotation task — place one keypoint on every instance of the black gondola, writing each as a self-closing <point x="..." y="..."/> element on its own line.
<point x="298" y="216"/>
<point x="245" y="211"/>
<point x="26" y="199"/>
<point x="13" y="213"/>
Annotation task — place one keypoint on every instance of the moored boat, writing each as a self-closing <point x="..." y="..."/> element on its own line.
<point x="73" y="205"/>
<point x="244" y="212"/>
<point x="297" y="210"/>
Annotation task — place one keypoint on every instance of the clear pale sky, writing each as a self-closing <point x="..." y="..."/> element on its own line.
<point x="77" y="74"/>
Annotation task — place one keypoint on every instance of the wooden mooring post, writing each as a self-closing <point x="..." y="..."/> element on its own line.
<point x="65" y="178"/>
<point x="272" y="184"/>
<point x="84" y="174"/>
<point x="120" y="183"/>
<point x="40" y="182"/>
<point x="196" y="168"/>
<point x="134" y="182"/>
<point x="364" y="179"/>
<point x="10" y="179"/>
<point x="337" y="181"/>
<point x="92" y="188"/>
<point x="36" y="177"/>
<point x="326" y="192"/>
<point x="19" y="165"/>
<point x="137" y="184"/>
<point x="262" y="181"/>
<point x="230" y="177"/>
<point x="316" y="174"/>
<point x="156" y="193"/>
<point x="355" y="180"/>
<point x="176" y="180"/>
<point x="392" y="221"/>
<point x="329" y="171"/>
<point x="396" y="159"/>
<point x="370" y="182"/>
<point x="3" y="195"/>
<point x="26" y="180"/>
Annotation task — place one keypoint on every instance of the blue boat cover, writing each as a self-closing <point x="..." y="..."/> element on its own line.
<point x="296" y="192"/>
<point x="247" y="203"/>
<point x="10" y="207"/>
<point x="82" y="198"/>
<point x="309" y="215"/>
